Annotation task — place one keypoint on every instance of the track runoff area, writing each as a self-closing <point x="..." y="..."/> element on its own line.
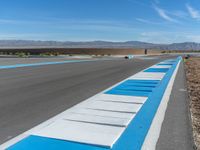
<point x="126" y="116"/>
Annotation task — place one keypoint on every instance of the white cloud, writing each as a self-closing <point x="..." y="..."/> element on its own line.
<point x="153" y="33"/>
<point x="144" y="21"/>
<point x="195" y="14"/>
<point x="193" y="38"/>
<point x="163" y="14"/>
<point x="179" y="13"/>
<point x="70" y="24"/>
<point x="168" y="37"/>
<point x="148" y="21"/>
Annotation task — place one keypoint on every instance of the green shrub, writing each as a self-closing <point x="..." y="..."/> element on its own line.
<point x="21" y="54"/>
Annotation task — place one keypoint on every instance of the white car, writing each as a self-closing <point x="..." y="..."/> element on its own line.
<point x="129" y="57"/>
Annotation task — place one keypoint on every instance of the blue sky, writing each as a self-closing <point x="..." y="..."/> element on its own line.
<point x="157" y="21"/>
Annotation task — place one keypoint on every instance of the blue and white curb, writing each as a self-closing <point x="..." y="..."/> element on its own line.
<point x="126" y="116"/>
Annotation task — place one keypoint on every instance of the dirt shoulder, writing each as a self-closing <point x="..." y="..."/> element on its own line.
<point x="192" y="67"/>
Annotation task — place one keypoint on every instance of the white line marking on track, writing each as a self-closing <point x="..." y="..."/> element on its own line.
<point x="82" y="132"/>
<point x="148" y="76"/>
<point x="120" y="98"/>
<point x="161" y="66"/>
<point x="154" y="131"/>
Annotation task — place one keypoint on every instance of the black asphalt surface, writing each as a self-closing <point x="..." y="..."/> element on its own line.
<point x="176" y="131"/>
<point x="31" y="95"/>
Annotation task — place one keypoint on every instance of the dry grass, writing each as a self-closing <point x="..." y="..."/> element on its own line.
<point x="193" y="81"/>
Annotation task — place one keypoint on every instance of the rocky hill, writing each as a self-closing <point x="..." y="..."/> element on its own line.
<point x="97" y="44"/>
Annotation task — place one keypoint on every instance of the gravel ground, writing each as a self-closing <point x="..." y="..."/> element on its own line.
<point x="192" y="66"/>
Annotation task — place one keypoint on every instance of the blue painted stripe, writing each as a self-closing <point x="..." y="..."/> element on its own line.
<point x="42" y="64"/>
<point x="170" y="61"/>
<point x="42" y="143"/>
<point x="128" y="93"/>
<point x="142" y="88"/>
<point x="143" y="81"/>
<point x="139" y="85"/>
<point x="163" y="70"/>
<point x="134" y="88"/>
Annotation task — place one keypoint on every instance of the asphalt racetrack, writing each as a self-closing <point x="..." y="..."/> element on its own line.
<point x="31" y="95"/>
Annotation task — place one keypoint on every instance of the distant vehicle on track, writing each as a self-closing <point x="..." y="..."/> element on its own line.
<point x="187" y="56"/>
<point x="129" y="57"/>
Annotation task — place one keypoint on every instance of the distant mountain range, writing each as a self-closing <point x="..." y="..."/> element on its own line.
<point x="97" y="44"/>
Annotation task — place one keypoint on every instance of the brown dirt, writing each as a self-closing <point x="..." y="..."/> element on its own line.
<point x="193" y="82"/>
<point x="83" y="51"/>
